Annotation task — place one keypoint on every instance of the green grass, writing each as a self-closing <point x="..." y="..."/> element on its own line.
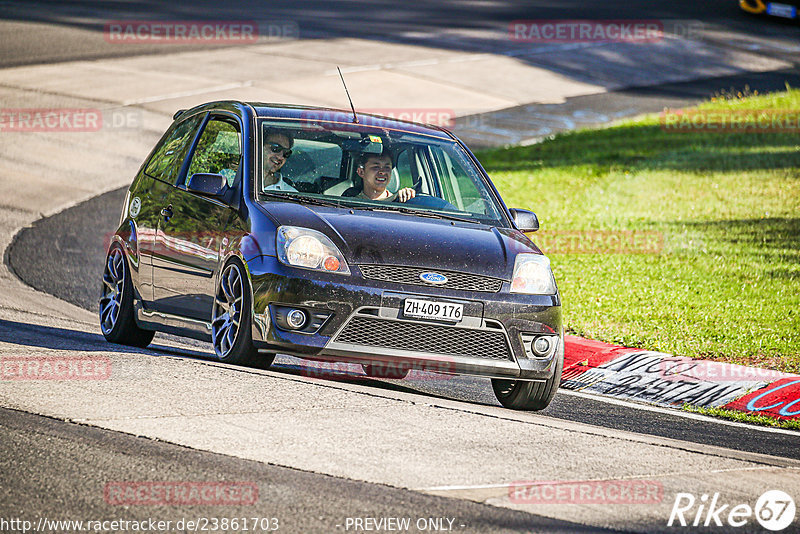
<point x="726" y="283"/>
<point x="744" y="417"/>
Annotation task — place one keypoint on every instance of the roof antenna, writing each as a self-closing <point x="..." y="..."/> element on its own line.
<point x="355" y="117"/>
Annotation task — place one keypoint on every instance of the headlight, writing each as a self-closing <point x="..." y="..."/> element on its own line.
<point x="309" y="249"/>
<point x="532" y="275"/>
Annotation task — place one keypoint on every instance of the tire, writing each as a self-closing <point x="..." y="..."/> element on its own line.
<point x="527" y="395"/>
<point x="388" y="370"/>
<point x="116" y="303"/>
<point x="231" y="320"/>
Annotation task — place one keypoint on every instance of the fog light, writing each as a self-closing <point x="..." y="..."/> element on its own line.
<point x="296" y="319"/>
<point x="541" y="346"/>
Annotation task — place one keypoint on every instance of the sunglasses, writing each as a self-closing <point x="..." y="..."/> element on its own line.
<point x="276" y="148"/>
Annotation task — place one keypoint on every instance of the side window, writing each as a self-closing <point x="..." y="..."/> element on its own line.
<point x="403" y="168"/>
<point x="410" y="170"/>
<point x="168" y="157"/>
<point x="218" y="151"/>
<point x="458" y="188"/>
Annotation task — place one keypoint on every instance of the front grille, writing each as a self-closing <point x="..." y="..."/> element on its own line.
<point x="419" y="337"/>
<point x="410" y="275"/>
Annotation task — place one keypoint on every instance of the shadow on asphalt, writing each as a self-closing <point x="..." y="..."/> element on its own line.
<point x="50" y="337"/>
<point x="409" y="385"/>
<point x="64" y="339"/>
<point x="482" y="27"/>
<point x="469" y="390"/>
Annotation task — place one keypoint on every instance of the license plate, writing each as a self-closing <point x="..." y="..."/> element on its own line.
<point x="781" y="10"/>
<point x="431" y="309"/>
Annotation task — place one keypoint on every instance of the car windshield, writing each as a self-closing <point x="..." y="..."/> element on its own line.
<point x="328" y="163"/>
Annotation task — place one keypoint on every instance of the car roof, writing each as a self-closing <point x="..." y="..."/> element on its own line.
<point x="299" y="112"/>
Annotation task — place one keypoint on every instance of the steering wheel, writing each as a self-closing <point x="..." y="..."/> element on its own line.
<point x="429" y="201"/>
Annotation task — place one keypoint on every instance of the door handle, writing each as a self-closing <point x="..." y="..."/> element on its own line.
<point x="167" y="213"/>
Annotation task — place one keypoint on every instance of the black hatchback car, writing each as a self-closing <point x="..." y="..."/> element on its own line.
<point x="334" y="237"/>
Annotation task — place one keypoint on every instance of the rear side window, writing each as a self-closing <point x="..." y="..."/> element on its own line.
<point x="168" y="158"/>
<point x="218" y="151"/>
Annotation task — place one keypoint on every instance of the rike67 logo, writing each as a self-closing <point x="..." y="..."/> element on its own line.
<point x="774" y="510"/>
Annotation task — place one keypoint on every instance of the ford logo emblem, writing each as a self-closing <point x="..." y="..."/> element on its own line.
<point x="433" y="278"/>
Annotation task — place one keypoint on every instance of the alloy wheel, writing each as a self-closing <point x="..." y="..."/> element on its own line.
<point x="113" y="284"/>
<point x="227" y="314"/>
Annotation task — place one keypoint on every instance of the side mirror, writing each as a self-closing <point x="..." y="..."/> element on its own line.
<point x="206" y="184"/>
<point x="525" y="220"/>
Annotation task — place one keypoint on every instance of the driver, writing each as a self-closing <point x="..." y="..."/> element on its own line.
<point x="277" y="149"/>
<point x="375" y="171"/>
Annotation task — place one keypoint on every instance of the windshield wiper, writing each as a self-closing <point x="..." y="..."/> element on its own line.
<point x="300" y="198"/>
<point x="420" y="213"/>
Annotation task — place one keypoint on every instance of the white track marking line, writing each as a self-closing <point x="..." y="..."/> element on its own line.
<point x="629" y="477"/>
<point x="409" y="64"/>
<point x="182" y="94"/>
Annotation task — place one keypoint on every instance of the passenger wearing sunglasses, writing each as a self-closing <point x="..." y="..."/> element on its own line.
<point x="277" y="149"/>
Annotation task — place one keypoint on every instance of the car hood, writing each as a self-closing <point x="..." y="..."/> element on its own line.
<point x="368" y="237"/>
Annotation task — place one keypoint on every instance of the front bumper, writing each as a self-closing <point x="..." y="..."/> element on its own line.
<point x="360" y="320"/>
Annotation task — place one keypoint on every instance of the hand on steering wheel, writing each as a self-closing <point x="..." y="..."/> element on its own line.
<point x="405" y="194"/>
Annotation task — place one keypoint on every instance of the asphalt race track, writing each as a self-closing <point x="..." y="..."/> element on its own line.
<point x="77" y="28"/>
<point x="284" y="494"/>
<point x="69" y="24"/>
<point x="324" y="450"/>
<point x="70" y="240"/>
